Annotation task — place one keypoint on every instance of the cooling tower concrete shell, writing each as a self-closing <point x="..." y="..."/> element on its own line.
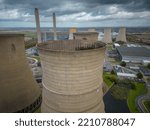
<point x="19" y="91"/>
<point x="86" y="36"/>
<point x="91" y="30"/>
<point x="72" y="77"/>
<point x="107" y="36"/>
<point x="122" y="35"/>
<point x="73" y="30"/>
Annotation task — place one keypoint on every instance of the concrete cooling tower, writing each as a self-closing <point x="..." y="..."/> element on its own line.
<point x="107" y="36"/>
<point x="71" y="31"/>
<point x="19" y="91"/>
<point x="72" y="76"/>
<point x="91" y="30"/>
<point x="122" y="35"/>
<point x="90" y="37"/>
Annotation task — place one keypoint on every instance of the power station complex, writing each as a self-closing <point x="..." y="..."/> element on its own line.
<point x="72" y="72"/>
<point x="19" y="91"/>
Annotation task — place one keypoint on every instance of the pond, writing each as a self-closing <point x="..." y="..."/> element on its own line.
<point x="113" y="105"/>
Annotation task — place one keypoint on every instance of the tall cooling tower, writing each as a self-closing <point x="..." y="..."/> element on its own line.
<point x="90" y="37"/>
<point x="72" y="76"/>
<point x="107" y="36"/>
<point x="91" y="30"/>
<point x="19" y="91"/>
<point x="71" y="31"/>
<point x="122" y="35"/>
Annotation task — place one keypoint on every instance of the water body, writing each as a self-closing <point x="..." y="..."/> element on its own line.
<point x="113" y="105"/>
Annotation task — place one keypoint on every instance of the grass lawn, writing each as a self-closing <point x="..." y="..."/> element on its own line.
<point x="36" y="57"/>
<point x="133" y="94"/>
<point x="106" y="78"/>
<point x="38" y="110"/>
<point x="109" y="47"/>
<point x="119" y="92"/>
<point x="147" y="105"/>
<point x="30" y="44"/>
<point x="30" y="34"/>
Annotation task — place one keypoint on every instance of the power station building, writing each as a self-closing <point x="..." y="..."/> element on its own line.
<point x="19" y="91"/>
<point x="133" y="54"/>
<point x="72" y="76"/>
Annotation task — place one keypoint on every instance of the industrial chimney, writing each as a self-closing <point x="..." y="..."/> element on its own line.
<point x="107" y="36"/>
<point x="37" y="19"/>
<point x="122" y="35"/>
<point x="19" y="91"/>
<point x="72" y="76"/>
<point x="54" y="26"/>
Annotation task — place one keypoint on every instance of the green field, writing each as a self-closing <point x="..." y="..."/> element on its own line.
<point x="30" y="34"/>
<point x="147" y="105"/>
<point x="36" y="57"/>
<point x="107" y="78"/>
<point x="133" y="94"/>
<point x="38" y="110"/>
<point x="119" y="92"/>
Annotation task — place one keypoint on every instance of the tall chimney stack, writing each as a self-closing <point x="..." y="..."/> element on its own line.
<point x="54" y="26"/>
<point x="37" y="19"/>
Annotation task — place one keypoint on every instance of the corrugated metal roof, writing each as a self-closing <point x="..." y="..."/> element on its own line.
<point x="133" y="51"/>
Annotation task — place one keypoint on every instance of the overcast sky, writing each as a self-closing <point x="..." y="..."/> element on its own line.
<point x="75" y="13"/>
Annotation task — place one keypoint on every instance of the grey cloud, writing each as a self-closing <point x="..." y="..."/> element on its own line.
<point x="93" y="7"/>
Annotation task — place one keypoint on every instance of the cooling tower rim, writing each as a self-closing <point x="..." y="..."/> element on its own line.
<point x="107" y="27"/>
<point x="6" y="34"/>
<point x="99" y="45"/>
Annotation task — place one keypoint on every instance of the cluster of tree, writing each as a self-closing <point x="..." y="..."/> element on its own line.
<point x="123" y="64"/>
<point x="148" y="66"/>
<point x="139" y="75"/>
<point x="113" y="78"/>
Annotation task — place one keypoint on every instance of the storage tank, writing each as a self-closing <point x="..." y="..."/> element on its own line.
<point x="19" y="91"/>
<point x="72" y="76"/>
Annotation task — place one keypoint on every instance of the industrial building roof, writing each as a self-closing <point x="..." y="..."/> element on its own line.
<point x="69" y="45"/>
<point x="133" y="51"/>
